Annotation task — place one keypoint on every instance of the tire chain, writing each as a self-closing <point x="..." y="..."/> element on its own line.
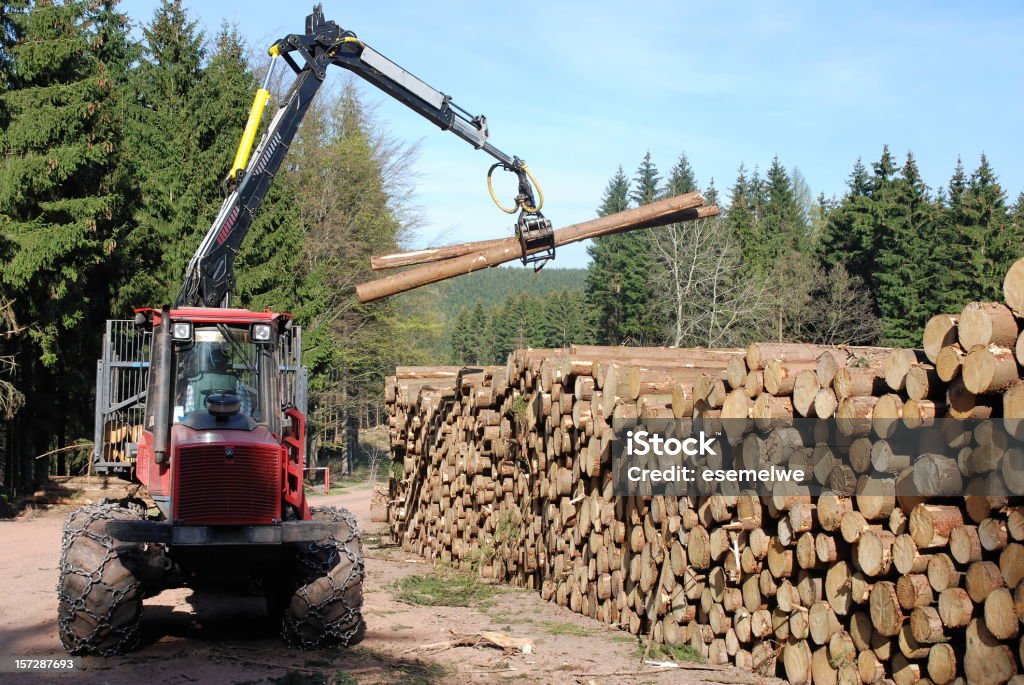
<point x="81" y="524"/>
<point x="317" y="560"/>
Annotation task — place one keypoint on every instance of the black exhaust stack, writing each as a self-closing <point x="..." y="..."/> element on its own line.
<point x="161" y="386"/>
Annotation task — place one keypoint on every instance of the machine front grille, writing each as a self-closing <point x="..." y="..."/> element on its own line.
<point x="218" y="484"/>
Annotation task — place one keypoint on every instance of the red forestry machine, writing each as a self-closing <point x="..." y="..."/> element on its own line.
<point x="205" y="406"/>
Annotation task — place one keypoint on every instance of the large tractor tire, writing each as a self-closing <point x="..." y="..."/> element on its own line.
<point x="326" y="607"/>
<point x="99" y="590"/>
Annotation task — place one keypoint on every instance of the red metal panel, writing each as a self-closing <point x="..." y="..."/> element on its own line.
<point x="156" y="477"/>
<point x="294" y="461"/>
<point x="202" y="315"/>
<point x="227" y="484"/>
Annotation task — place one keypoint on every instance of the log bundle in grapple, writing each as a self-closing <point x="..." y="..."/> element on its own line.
<point x="887" y="562"/>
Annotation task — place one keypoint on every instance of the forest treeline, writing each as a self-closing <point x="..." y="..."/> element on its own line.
<point x="113" y="152"/>
<point x="115" y="141"/>
<point x="777" y="264"/>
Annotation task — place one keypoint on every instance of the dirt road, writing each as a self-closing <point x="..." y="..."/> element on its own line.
<point x="190" y="637"/>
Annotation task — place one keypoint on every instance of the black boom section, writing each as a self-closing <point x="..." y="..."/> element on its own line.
<point x="210" y="275"/>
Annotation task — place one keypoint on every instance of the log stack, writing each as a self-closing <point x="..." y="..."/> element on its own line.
<point x="886" y="563"/>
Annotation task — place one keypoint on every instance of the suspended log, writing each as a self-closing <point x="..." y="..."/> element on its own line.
<point x="675" y="209"/>
<point x="430" y="254"/>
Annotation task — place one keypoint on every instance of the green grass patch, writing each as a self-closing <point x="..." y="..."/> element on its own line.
<point x="619" y="636"/>
<point x="417" y="674"/>
<point x="510" y="617"/>
<point x="342" y="678"/>
<point x="677" y="653"/>
<point x="380" y="612"/>
<point x="564" y="628"/>
<point x="443" y="587"/>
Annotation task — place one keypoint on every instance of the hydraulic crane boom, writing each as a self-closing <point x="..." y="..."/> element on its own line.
<point x="210" y="274"/>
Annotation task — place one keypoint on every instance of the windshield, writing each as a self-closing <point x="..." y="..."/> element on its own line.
<point x="221" y="359"/>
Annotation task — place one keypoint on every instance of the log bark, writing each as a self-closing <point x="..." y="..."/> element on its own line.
<point x="931" y="524"/>
<point x="989" y="369"/>
<point x="986" y="323"/>
<point x="681" y="208"/>
<point x="429" y="254"/>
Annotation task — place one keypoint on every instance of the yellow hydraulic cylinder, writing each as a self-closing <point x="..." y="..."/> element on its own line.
<point x="252" y="126"/>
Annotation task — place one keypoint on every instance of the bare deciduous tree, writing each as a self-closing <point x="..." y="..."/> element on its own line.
<point x="708" y="298"/>
<point x="11" y="399"/>
<point x="841" y="312"/>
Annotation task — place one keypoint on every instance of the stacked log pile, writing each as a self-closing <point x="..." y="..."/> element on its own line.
<point x="887" y="562"/>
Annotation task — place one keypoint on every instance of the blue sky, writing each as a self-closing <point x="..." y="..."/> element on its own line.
<point x="578" y="88"/>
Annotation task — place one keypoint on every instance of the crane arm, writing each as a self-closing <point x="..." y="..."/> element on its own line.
<point x="210" y="274"/>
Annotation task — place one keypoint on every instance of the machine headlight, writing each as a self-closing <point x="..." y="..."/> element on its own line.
<point x="261" y="332"/>
<point x="181" y="331"/>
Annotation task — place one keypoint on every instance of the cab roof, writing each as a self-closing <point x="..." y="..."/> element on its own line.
<point x="219" y="315"/>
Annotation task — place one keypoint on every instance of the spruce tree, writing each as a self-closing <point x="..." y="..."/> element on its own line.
<point x="480" y="343"/>
<point x="681" y="178"/>
<point x="849" y="237"/>
<point x="459" y="338"/>
<point x="908" y="272"/>
<point x="163" y="138"/>
<point x="219" y="104"/>
<point x="616" y="195"/>
<point x="64" y="202"/>
<point x="742" y="221"/>
<point x="568" y="319"/>
<point x="646" y="183"/>
<point x="784" y="226"/>
<point x="9" y="37"/>
<point x="711" y="193"/>
<point x="986" y="227"/>
<point x="602" y="285"/>
<point x="619" y="274"/>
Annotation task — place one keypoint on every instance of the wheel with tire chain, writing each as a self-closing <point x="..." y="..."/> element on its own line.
<point x="326" y="606"/>
<point x="100" y="595"/>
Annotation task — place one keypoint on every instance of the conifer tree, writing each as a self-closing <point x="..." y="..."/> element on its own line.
<point x="163" y="139"/>
<point x="479" y="334"/>
<point x="219" y="104"/>
<point x="850" y="238"/>
<point x="459" y="338"/>
<point x="619" y="277"/>
<point x="681" y="178"/>
<point x="907" y="271"/>
<point x="64" y="200"/>
<point x="711" y="193"/>
<point x="646" y="182"/>
<point x="784" y="224"/>
<point x="742" y="220"/>
<point x="983" y="219"/>
<point x="567" y="320"/>
<point x="609" y="257"/>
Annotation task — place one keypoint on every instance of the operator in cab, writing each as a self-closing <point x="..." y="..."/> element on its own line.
<point x="207" y="369"/>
